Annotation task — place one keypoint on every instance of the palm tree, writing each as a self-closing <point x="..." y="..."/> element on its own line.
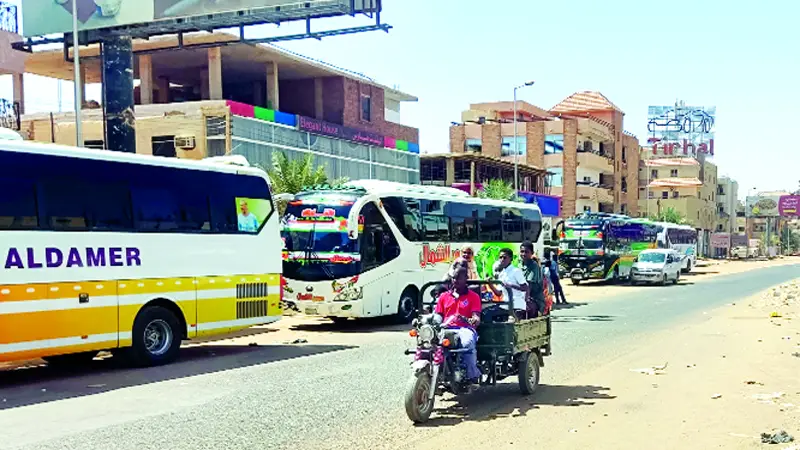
<point x="292" y="176"/>
<point x="497" y="189"/>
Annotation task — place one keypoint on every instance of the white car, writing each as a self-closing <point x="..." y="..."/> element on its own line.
<point x="656" y="266"/>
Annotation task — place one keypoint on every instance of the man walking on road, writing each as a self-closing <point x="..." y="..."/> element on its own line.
<point x="533" y="275"/>
<point x="561" y="299"/>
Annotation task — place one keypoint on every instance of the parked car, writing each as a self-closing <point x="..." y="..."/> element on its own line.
<point x="656" y="266"/>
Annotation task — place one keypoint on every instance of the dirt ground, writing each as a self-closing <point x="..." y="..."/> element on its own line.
<point x="730" y="376"/>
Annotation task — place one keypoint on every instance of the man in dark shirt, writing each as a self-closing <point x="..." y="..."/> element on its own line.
<point x="533" y="275"/>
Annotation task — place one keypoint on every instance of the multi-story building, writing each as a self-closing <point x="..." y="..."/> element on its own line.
<point x="727" y="203"/>
<point x="210" y="94"/>
<point x="580" y="142"/>
<point x="686" y="184"/>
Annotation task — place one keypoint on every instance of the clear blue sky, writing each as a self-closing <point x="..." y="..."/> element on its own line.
<point x="449" y="53"/>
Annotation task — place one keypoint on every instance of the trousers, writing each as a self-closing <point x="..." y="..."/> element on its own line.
<point x="469" y="339"/>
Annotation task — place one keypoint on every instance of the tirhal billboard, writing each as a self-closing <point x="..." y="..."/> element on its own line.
<point x="41" y="17"/>
<point x="681" y="130"/>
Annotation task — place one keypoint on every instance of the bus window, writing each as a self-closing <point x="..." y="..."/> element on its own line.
<point x="463" y="221"/>
<point x="405" y="214"/>
<point x="434" y="220"/>
<point x="378" y="244"/>
<point x="72" y="204"/>
<point x="489" y="226"/>
<point x="18" y="204"/>
<point x="532" y="225"/>
<point x="513" y="230"/>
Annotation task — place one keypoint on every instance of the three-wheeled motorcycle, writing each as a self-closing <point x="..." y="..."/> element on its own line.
<point x="506" y="347"/>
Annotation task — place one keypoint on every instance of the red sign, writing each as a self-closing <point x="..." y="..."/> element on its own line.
<point x="442" y="253"/>
<point x="687" y="148"/>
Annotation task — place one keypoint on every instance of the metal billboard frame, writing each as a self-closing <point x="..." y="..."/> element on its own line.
<point x="213" y="22"/>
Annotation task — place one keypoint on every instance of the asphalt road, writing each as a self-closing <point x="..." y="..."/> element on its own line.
<point x="340" y="391"/>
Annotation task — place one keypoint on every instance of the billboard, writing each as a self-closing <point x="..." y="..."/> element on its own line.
<point x="762" y="206"/>
<point x="720" y="240"/>
<point x="789" y="206"/>
<point x="681" y="130"/>
<point x="41" y="17"/>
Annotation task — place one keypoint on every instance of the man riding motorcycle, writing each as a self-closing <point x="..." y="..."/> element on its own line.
<point x="460" y="309"/>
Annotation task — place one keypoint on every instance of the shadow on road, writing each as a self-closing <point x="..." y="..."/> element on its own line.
<point x="572" y="319"/>
<point x="474" y="407"/>
<point x="571" y="305"/>
<point x="696" y="273"/>
<point x="376" y="325"/>
<point x="39" y="384"/>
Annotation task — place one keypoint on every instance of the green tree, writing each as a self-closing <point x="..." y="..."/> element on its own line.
<point x="292" y="176"/>
<point x="497" y="189"/>
<point x="670" y="215"/>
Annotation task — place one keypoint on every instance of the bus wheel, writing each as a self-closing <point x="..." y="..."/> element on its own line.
<point x="156" y="337"/>
<point x="688" y="267"/>
<point x="616" y="274"/>
<point x="407" y="307"/>
<point x="73" y="359"/>
<point x="575" y="281"/>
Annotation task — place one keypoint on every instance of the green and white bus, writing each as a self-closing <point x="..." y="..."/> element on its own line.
<point x="599" y="246"/>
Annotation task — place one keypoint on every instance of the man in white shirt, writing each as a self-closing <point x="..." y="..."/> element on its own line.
<point x="513" y="278"/>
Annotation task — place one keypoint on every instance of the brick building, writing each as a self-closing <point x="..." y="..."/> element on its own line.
<point x="580" y="141"/>
<point x="211" y="94"/>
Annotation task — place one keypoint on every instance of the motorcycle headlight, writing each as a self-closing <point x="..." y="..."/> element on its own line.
<point x="427" y="333"/>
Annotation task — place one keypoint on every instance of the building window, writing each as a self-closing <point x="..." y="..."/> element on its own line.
<point x="675" y="194"/>
<point x="623" y="208"/>
<point x="624" y="184"/>
<point x="650" y="194"/>
<point x="507" y="146"/>
<point x="741" y="229"/>
<point x="587" y="180"/>
<point x="587" y="208"/>
<point x="555" y="177"/>
<point x="433" y="171"/>
<point x="602" y="148"/>
<point x="673" y="173"/>
<point x="366" y="108"/>
<point x="624" y="151"/>
<point x="164" y="146"/>
<point x="720" y="190"/>
<point x="664" y="194"/>
<point x="587" y="146"/>
<point x="463" y="171"/>
<point x="654" y="173"/>
<point x="553" y="143"/>
<point x="473" y="145"/>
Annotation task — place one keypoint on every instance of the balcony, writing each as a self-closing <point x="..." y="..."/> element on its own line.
<point x="601" y="193"/>
<point x="596" y="161"/>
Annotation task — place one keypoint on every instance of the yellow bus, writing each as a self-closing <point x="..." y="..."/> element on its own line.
<point x="130" y="253"/>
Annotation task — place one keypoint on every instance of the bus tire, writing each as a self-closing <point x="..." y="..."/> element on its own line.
<point x="407" y="306"/>
<point x="156" y="337"/>
<point x="688" y="267"/>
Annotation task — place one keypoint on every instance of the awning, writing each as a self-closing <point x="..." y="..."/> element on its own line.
<point x="676" y="182"/>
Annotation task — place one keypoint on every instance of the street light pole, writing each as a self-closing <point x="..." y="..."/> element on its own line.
<point x="78" y="81"/>
<point x="516" y="151"/>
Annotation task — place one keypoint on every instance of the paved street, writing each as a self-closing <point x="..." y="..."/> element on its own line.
<point x="338" y="390"/>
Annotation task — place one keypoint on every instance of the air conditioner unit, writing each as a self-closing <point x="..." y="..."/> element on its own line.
<point x="185" y="142"/>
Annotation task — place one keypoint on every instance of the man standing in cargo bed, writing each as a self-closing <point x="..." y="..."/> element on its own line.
<point x="533" y="275"/>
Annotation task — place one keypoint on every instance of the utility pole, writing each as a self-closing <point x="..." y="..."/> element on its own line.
<point x="77" y="77"/>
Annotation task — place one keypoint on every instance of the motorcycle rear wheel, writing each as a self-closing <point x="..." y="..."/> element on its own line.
<point x="419" y="405"/>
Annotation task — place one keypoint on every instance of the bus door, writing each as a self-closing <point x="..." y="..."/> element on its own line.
<point x="378" y="247"/>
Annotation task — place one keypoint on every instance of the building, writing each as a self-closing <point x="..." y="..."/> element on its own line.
<point x="12" y="63"/>
<point x="209" y="94"/>
<point x="686" y="184"/>
<point x="469" y="171"/>
<point x="580" y="141"/>
<point x="727" y="204"/>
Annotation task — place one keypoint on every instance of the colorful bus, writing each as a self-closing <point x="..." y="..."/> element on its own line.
<point x="111" y="251"/>
<point x="365" y="249"/>
<point x="598" y="246"/>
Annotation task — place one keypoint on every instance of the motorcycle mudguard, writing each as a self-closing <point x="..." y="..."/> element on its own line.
<point x="420" y="365"/>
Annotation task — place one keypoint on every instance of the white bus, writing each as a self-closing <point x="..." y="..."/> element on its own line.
<point x="682" y="239"/>
<point x="111" y="251"/>
<point x="365" y="250"/>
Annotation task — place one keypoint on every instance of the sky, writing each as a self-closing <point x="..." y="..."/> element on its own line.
<point x="744" y="59"/>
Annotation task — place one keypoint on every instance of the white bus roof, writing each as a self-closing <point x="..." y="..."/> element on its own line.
<point x="675" y="225"/>
<point x="214" y="164"/>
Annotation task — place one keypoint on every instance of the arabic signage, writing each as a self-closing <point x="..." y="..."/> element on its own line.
<point x="720" y="240"/>
<point x="789" y="206"/>
<point x="441" y="254"/>
<point x="338" y="131"/>
<point x="681" y="130"/>
<point x="41" y="17"/>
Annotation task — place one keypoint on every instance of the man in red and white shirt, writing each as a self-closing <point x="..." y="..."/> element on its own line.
<point x="460" y="309"/>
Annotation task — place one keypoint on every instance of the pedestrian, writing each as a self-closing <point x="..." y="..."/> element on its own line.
<point x="533" y="275"/>
<point x="555" y="280"/>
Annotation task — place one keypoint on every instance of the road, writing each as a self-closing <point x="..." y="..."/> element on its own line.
<point x="339" y="390"/>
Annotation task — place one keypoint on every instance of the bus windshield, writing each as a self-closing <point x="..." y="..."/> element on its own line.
<point x="316" y="245"/>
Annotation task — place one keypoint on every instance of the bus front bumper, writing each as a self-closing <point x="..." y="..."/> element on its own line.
<point x="325" y="309"/>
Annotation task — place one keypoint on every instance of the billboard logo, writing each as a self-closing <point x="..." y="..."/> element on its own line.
<point x="687" y="148"/>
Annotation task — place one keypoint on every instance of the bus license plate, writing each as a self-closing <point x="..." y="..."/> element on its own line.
<point x="311" y="310"/>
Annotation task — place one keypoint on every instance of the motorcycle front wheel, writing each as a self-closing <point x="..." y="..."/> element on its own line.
<point x="419" y="403"/>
